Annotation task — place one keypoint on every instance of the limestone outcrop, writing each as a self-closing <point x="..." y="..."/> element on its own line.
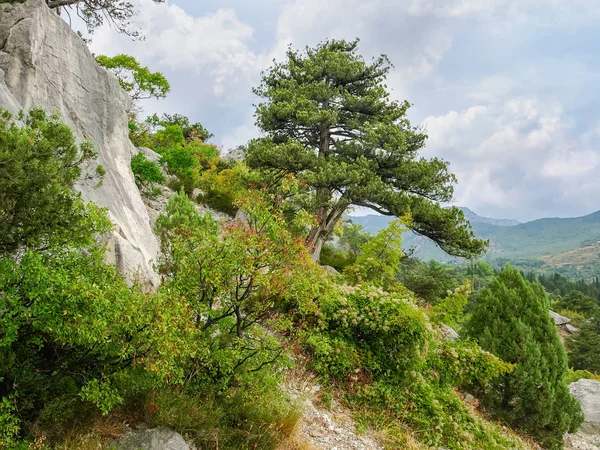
<point x="587" y="392"/>
<point x="152" y="439"/>
<point x="44" y="64"/>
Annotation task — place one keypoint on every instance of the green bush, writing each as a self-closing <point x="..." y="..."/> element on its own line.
<point x="336" y="258"/>
<point x="39" y="163"/>
<point x="146" y="172"/>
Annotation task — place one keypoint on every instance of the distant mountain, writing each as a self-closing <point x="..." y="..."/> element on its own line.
<point x="570" y="246"/>
<point x="472" y="217"/>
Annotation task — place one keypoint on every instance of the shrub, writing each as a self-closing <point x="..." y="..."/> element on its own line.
<point x="39" y="163"/>
<point x="146" y="172"/>
<point x="336" y="258"/>
<point x="231" y="279"/>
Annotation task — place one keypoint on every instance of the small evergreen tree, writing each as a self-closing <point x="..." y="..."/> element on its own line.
<point x="584" y="347"/>
<point x="510" y="319"/>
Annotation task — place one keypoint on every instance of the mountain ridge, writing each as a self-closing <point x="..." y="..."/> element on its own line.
<point x="563" y="244"/>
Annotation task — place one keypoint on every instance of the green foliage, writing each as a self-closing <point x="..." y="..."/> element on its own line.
<point x="39" y="163"/>
<point x="430" y="281"/>
<point x="68" y="313"/>
<point x="354" y="237"/>
<point x="450" y="310"/>
<point x="379" y="257"/>
<point x="510" y="319"/>
<point x="336" y="258"/>
<point x="191" y="131"/>
<point x="135" y="79"/>
<point x="330" y="121"/>
<point x="185" y="160"/>
<point x="382" y="347"/>
<point x="253" y="414"/>
<point x="222" y="187"/>
<point x="579" y="302"/>
<point x="231" y="279"/>
<point x="584" y="346"/>
<point x="368" y="328"/>
<point x="169" y="129"/>
<point x="9" y="423"/>
<point x="146" y="172"/>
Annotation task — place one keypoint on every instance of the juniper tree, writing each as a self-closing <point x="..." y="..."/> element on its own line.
<point x="510" y="319"/>
<point x="329" y="120"/>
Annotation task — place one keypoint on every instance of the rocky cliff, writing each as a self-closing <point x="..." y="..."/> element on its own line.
<point x="43" y="63"/>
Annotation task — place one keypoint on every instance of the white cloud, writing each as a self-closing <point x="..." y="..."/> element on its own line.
<point x="505" y="116"/>
<point x="521" y="156"/>
<point x="213" y="48"/>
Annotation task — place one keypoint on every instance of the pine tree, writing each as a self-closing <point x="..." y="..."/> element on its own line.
<point x="510" y="319"/>
<point x="584" y="347"/>
<point x="329" y="120"/>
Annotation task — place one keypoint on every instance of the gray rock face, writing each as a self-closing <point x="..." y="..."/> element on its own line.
<point x="152" y="439"/>
<point x="558" y="319"/>
<point x="449" y="333"/>
<point x="43" y="63"/>
<point x="331" y="271"/>
<point x="571" y="329"/>
<point x="587" y="392"/>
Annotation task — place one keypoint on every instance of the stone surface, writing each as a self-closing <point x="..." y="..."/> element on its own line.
<point x="558" y="319"/>
<point x="331" y="270"/>
<point x="152" y="439"/>
<point x="43" y="63"/>
<point x="571" y="329"/>
<point x="449" y="333"/>
<point x="588" y="394"/>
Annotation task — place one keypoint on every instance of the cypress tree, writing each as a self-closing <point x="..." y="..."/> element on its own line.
<point x="510" y="319"/>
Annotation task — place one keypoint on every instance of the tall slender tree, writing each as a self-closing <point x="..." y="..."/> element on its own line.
<point x="329" y="120"/>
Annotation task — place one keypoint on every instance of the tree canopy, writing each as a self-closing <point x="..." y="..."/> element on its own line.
<point x="137" y="80"/>
<point x="329" y="120"/>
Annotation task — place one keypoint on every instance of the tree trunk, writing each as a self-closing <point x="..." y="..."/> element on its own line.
<point x="319" y="234"/>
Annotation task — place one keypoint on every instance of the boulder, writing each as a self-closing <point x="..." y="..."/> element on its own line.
<point x="587" y="392"/>
<point x="44" y="64"/>
<point x="571" y="329"/>
<point x="331" y="271"/>
<point x="152" y="439"/>
<point x="150" y="154"/>
<point x="449" y="333"/>
<point x="558" y="319"/>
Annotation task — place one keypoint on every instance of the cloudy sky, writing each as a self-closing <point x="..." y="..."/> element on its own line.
<point x="507" y="89"/>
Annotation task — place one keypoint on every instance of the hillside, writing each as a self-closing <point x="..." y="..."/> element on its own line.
<point x="566" y="245"/>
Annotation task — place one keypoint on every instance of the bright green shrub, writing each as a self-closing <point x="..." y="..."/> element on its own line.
<point x="222" y="187"/>
<point x="231" y="278"/>
<point x="365" y="325"/>
<point x="336" y="258"/>
<point x="379" y="257"/>
<point x="450" y="310"/>
<point x="146" y="172"/>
